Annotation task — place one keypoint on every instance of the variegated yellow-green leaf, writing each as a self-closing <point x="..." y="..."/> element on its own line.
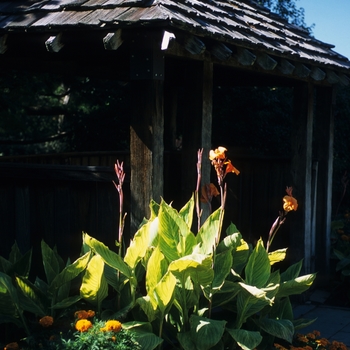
<point x="156" y="268"/>
<point x="149" y="307"/>
<point x="94" y="286"/>
<point x="164" y="290"/>
<point x="296" y="286"/>
<point x="143" y="238"/>
<point x="277" y="256"/>
<point x="186" y="212"/>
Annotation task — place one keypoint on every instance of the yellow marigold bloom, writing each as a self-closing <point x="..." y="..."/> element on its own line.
<point x="218" y="153"/>
<point x="290" y="203"/>
<point x="83" y="325"/>
<point x="112" y="325"/>
<point x="46" y="321"/>
<point x="12" y="346"/>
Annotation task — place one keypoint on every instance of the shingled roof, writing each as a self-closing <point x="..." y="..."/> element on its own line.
<point x="243" y="29"/>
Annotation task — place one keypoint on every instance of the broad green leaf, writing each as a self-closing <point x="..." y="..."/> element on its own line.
<point x="230" y="242"/>
<point x="292" y="272"/>
<point x="247" y="340"/>
<point x="198" y="266"/>
<point x="156" y="268"/>
<point x="11" y="319"/>
<point x="147" y="340"/>
<point x="232" y="229"/>
<point x="7" y="306"/>
<point x="277" y="256"/>
<point x="164" y="290"/>
<point x="240" y="257"/>
<point x="30" y="299"/>
<point x="143" y="238"/>
<point x="94" y="286"/>
<point x="15" y="253"/>
<point x="283" y="329"/>
<point x="222" y="268"/>
<point x="281" y="309"/>
<point x="70" y="272"/>
<point x="206" y="332"/>
<point x="63" y="304"/>
<point x="186" y="341"/>
<point x="257" y="271"/>
<point x="50" y="262"/>
<point x="148" y="306"/>
<point x="5" y="265"/>
<point x="109" y="257"/>
<point x="296" y="286"/>
<point x="207" y="234"/>
<point x="187" y="211"/>
<point x="302" y="323"/>
<point x="7" y="286"/>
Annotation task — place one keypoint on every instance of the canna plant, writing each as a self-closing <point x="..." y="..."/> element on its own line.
<point x="204" y="291"/>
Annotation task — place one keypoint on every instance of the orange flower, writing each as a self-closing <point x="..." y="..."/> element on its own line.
<point x="83" y="325"/>
<point x="112" y="325"/>
<point x="12" y="346"/>
<point x="230" y="168"/>
<point x="82" y="314"/>
<point x="290" y="203"/>
<point x="218" y="153"/>
<point x="46" y="321"/>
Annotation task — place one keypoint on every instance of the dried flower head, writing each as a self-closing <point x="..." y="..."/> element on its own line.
<point x="46" y="321"/>
<point x="83" y="325"/>
<point x="112" y="325"/>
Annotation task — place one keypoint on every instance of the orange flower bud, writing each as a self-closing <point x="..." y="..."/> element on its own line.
<point x="46" y="321"/>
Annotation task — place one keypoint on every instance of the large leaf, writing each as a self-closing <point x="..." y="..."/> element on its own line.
<point x="247" y="340"/>
<point x="230" y="242"/>
<point x="143" y="238"/>
<point x="70" y="272"/>
<point x="205" y="332"/>
<point x="50" y="262"/>
<point x="30" y="298"/>
<point x="207" y="234"/>
<point x="164" y="290"/>
<point x="148" y="306"/>
<point x="186" y="212"/>
<point x="292" y="271"/>
<point x="109" y="257"/>
<point x="296" y="286"/>
<point x="94" y="287"/>
<point x="277" y="256"/>
<point x="257" y="271"/>
<point x="63" y="304"/>
<point x="157" y="267"/>
<point x="222" y="268"/>
<point x="283" y="329"/>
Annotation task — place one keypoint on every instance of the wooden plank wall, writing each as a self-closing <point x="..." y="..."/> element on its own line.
<point x="57" y="202"/>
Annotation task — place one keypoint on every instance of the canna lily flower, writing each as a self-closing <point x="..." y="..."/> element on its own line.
<point x="112" y="325"/>
<point x="230" y="168"/>
<point x="83" y="325"/>
<point x="290" y="203"/>
<point x="218" y="153"/>
<point x="46" y="321"/>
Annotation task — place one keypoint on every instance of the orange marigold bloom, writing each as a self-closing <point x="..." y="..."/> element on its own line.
<point x="81" y="314"/>
<point x="91" y="313"/>
<point x="345" y="237"/>
<point x="290" y="203"/>
<point x="46" y="321"/>
<point x="112" y="325"/>
<point x="83" y="325"/>
<point x="218" y="153"/>
<point x="12" y="346"/>
<point x="280" y="347"/>
<point x="302" y="338"/>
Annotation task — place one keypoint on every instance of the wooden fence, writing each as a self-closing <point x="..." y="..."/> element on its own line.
<point x="56" y="198"/>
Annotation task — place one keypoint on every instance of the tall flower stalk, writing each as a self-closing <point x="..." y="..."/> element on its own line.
<point x="222" y="166"/>
<point x="199" y="178"/>
<point x="289" y="204"/>
<point x="119" y="170"/>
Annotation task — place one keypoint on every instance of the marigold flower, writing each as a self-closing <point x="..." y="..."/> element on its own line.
<point x="112" y="325"/>
<point x="81" y="314"/>
<point x="46" y="321"/>
<point x="12" y="346"/>
<point x="290" y="203"/>
<point x="83" y="325"/>
<point x="91" y="313"/>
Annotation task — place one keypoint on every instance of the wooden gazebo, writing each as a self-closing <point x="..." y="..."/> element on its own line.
<point x="155" y="44"/>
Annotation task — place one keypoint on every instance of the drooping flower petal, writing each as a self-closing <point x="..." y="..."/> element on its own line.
<point x="230" y="168"/>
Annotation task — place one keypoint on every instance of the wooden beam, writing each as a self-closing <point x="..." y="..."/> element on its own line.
<point x="221" y="52"/>
<point x="3" y="45"/>
<point x="323" y="154"/>
<point x="301" y="236"/>
<point x="54" y="43"/>
<point x="112" y="41"/>
<point x="266" y="62"/>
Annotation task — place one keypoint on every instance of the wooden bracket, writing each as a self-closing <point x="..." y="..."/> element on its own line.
<point x="301" y="71"/>
<point x="245" y="57"/>
<point x="194" y="45"/>
<point x="54" y="43"/>
<point x="221" y="51"/>
<point x="266" y="62"/>
<point x="317" y="74"/>
<point x="112" y="41"/>
<point x="286" y="67"/>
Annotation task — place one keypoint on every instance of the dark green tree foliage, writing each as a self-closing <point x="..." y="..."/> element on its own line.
<point x="43" y="113"/>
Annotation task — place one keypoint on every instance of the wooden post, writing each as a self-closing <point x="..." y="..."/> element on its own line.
<point x="147" y="125"/>
<point x="301" y="235"/>
<point x="323" y="152"/>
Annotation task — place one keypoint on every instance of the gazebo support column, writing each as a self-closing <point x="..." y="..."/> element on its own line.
<point x="323" y="152"/>
<point x="146" y="148"/>
<point x="302" y="235"/>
